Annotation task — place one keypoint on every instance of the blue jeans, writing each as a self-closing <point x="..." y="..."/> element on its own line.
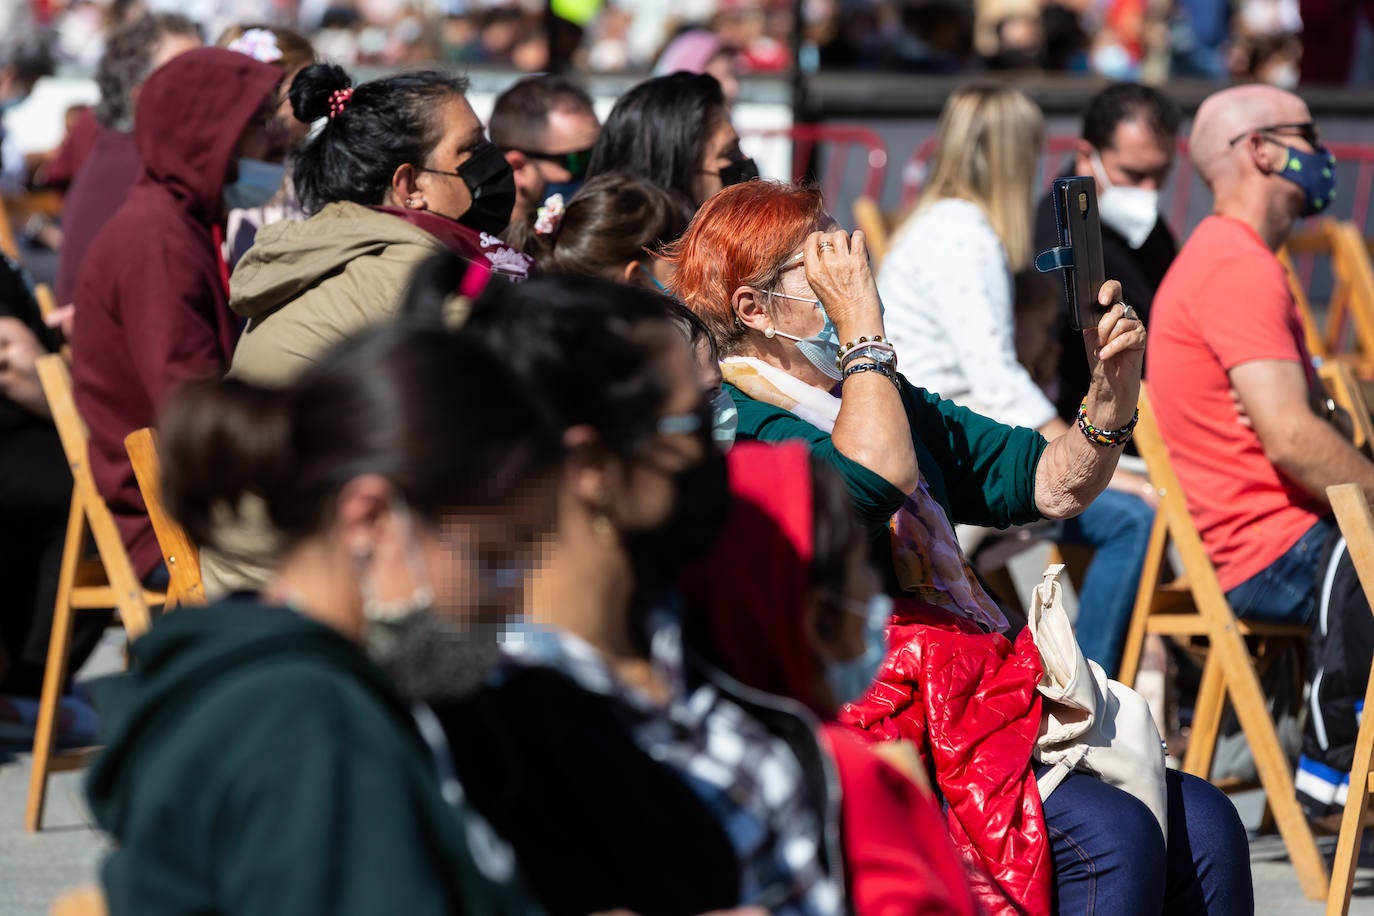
<point x="1285" y="591"/>
<point x="1117" y="525"/>
<point x="1109" y="856"/>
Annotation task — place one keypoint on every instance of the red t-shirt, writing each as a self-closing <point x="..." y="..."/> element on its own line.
<point x="1224" y="302"/>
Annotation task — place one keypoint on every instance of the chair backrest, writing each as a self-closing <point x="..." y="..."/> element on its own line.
<point x="1357" y="526"/>
<point x="1308" y="244"/>
<point x="81" y="901"/>
<point x="178" y="551"/>
<point x="1173" y="506"/>
<point x="1345" y="390"/>
<point x="870" y="218"/>
<point x="8" y="243"/>
<point x="1356" y="275"/>
<point x="56" y="379"/>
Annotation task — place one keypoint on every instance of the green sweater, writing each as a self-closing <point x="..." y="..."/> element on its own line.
<point x="981" y="472"/>
<point x="258" y="763"/>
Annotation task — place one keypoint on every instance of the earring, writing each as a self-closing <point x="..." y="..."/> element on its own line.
<point x="602" y="526"/>
<point x="769" y="333"/>
<point x="410" y="201"/>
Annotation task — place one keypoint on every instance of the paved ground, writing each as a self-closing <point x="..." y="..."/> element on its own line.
<point x="34" y="868"/>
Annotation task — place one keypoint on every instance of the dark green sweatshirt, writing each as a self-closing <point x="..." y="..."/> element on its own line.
<point x="257" y="762"/>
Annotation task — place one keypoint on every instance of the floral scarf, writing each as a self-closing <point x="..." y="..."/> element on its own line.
<point x="925" y="551"/>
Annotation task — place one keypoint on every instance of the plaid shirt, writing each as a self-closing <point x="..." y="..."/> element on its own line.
<point x="750" y="779"/>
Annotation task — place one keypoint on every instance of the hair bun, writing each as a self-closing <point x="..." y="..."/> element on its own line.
<point x="312" y="89"/>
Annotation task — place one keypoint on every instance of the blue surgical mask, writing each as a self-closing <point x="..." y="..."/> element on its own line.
<point x="850" y="680"/>
<point x="821" y="349"/>
<point x="258" y="182"/>
<point x="1315" y="173"/>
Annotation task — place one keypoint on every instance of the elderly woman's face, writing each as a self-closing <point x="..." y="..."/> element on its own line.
<point x="792" y="305"/>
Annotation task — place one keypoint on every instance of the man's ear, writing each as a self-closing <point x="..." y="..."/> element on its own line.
<point x="747" y="304"/>
<point x="1083" y="158"/>
<point x="1268" y="157"/>
<point x="516" y="159"/>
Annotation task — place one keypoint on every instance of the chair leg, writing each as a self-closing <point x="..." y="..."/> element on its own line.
<point x="55" y="672"/>
<point x="1149" y="582"/>
<point x="1247" y="696"/>
<point x="1207" y="714"/>
<point x="1352" y="821"/>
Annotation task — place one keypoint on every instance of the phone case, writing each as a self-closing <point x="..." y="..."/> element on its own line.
<point x="1079" y="253"/>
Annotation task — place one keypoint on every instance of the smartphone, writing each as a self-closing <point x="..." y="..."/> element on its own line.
<point x="1080" y="230"/>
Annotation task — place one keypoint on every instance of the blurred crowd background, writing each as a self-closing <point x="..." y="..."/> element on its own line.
<point x="1284" y="42"/>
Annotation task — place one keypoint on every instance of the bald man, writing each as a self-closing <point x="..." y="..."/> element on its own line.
<point x="1242" y="411"/>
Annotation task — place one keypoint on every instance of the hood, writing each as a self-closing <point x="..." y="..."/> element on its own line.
<point x="288" y="258"/>
<point x="191" y="113"/>
<point x="746" y="599"/>
<point x="181" y="658"/>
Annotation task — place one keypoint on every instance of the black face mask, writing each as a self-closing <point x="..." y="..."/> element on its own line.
<point x="701" y="507"/>
<point x="492" y="183"/>
<point x="741" y="169"/>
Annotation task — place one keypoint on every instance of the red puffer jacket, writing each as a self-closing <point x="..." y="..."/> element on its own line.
<point x="968" y="700"/>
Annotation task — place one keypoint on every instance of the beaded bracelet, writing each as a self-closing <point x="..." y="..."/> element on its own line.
<point x="845" y="348"/>
<point x="1112" y="438"/>
<point x="868" y="350"/>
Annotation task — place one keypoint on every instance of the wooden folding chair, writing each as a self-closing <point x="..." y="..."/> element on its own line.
<point x="876" y="228"/>
<point x="1194" y="607"/>
<point x="1348" y="394"/>
<point x="9" y="243"/>
<point x="178" y="552"/>
<point x="1355" y="305"/>
<point x="1319" y="241"/>
<point x="81" y="901"/>
<point x="1357" y="525"/>
<point x="106" y="582"/>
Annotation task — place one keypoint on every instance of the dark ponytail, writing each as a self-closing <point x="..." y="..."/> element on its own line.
<point x="609" y="222"/>
<point x="440" y="417"/>
<point x="384" y="124"/>
<point x="220" y="440"/>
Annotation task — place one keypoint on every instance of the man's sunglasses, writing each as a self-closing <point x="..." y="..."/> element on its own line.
<point x="575" y="162"/>
<point x="1306" y="129"/>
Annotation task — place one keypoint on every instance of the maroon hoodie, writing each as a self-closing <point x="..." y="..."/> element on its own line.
<point x="152" y="308"/>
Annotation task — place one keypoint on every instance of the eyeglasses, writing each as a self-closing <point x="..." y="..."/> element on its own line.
<point x="575" y="162"/>
<point x="717" y="414"/>
<point x="1307" y="130"/>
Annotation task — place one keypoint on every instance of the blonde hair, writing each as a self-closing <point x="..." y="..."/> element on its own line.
<point x="987" y="152"/>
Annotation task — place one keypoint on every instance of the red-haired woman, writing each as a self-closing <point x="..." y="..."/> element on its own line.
<point x="796" y="314"/>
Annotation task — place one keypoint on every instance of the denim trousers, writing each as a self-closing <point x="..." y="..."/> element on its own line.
<point x="1285" y="591"/>
<point x="1117" y="526"/>
<point x="1110" y="858"/>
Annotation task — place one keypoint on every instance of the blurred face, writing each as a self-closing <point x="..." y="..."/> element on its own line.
<point x="438" y="596"/>
<point x="722" y="67"/>
<point x="443" y="192"/>
<point x="722" y="148"/>
<point x="648" y="492"/>
<point x="265" y="136"/>
<point x="535" y="169"/>
<point x="1136" y="158"/>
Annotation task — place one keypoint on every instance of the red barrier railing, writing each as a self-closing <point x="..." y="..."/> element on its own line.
<point x="835" y="144"/>
<point x="1185" y="189"/>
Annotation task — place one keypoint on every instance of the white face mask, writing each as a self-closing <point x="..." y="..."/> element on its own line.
<point x="1132" y="212"/>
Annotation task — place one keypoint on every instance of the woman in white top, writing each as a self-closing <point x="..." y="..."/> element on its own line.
<point x="946" y="284"/>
